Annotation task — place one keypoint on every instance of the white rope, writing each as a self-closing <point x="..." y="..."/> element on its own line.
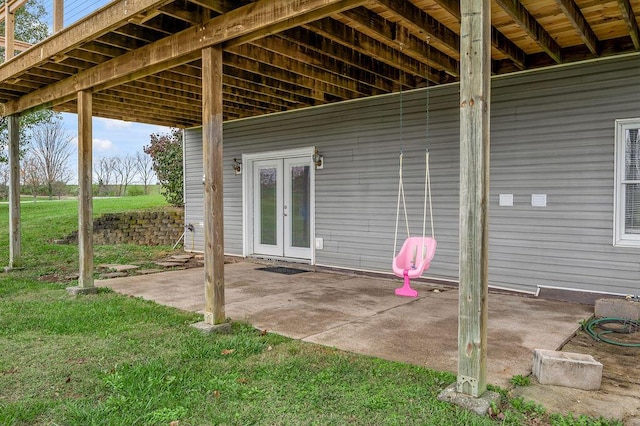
<point x="428" y="184"/>
<point x="424" y="209"/>
<point x="427" y="194"/>
<point x="404" y="204"/>
<point x="395" y="237"/>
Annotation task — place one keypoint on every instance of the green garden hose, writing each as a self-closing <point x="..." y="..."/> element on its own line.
<point x="623" y="325"/>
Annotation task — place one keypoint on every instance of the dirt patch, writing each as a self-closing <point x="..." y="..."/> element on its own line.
<point x="618" y="395"/>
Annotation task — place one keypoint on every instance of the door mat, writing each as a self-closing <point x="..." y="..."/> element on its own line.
<point x="281" y="270"/>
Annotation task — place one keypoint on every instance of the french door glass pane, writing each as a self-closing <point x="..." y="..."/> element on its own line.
<point x="300" y="206"/>
<point x="268" y="206"/>
<point x="632" y="208"/>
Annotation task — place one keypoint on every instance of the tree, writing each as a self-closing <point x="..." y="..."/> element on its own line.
<point x="51" y="147"/>
<point x="31" y="28"/>
<point x="31" y="174"/>
<point x="4" y="181"/>
<point x="144" y="168"/>
<point x="103" y="173"/>
<point x="166" y="153"/>
<point x="124" y="168"/>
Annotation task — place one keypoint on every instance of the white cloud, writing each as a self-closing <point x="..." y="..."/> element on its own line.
<point x="102" y="145"/>
<point x="109" y="123"/>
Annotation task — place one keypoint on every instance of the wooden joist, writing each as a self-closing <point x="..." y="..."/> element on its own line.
<point x="311" y="52"/>
<point x="299" y="54"/>
<point x="572" y="12"/>
<point x="424" y="25"/>
<point x="343" y="34"/>
<point x="522" y="17"/>
<point x="498" y="40"/>
<point x="399" y="38"/>
<point x="346" y="55"/>
<point x="631" y="21"/>
<point x="248" y="22"/>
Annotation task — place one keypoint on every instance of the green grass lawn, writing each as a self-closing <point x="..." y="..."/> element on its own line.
<point x="108" y="359"/>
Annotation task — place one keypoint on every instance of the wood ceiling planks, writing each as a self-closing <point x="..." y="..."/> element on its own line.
<point x="348" y="50"/>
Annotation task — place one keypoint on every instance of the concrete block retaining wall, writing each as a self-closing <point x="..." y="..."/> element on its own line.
<point x="152" y="228"/>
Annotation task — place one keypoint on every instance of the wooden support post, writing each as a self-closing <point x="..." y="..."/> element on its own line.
<point x="85" y="190"/>
<point x="213" y="195"/>
<point x="58" y="15"/>
<point x="9" y="32"/>
<point x="14" y="191"/>
<point x="475" y="66"/>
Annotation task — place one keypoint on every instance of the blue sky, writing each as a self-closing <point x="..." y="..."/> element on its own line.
<point x="114" y="137"/>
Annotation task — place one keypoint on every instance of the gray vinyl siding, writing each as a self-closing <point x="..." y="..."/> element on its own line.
<point x="193" y="190"/>
<point x="552" y="132"/>
<point x="194" y="196"/>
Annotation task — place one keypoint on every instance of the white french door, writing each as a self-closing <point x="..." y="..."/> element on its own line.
<point x="282" y="207"/>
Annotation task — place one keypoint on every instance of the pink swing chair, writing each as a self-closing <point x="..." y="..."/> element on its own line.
<point x="413" y="259"/>
<point x="417" y="252"/>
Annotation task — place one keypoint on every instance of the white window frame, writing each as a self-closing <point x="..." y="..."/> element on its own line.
<point x="620" y="237"/>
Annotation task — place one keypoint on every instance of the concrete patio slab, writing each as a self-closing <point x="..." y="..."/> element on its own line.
<point x="363" y="315"/>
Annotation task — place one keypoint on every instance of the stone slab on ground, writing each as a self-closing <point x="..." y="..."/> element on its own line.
<point x="617" y="308"/>
<point x="113" y="275"/>
<point x="572" y="370"/>
<point x="118" y="267"/>
<point x="180" y="261"/>
<point x="106" y="265"/>
<point x="167" y="264"/>
<point x="125" y="268"/>
<point x="181" y="257"/>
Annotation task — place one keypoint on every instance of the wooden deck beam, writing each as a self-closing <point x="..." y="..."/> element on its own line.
<point x="113" y="15"/>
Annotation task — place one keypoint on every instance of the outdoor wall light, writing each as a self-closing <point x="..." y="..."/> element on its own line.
<point x="237" y="166"/>
<point x="317" y="159"/>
